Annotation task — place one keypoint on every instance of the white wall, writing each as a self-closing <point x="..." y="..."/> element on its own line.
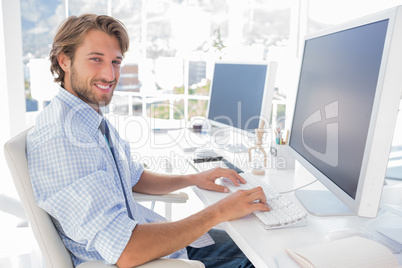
<point x="12" y="101"/>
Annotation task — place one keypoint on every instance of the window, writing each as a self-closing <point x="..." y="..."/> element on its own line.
<point x="173" y="46"/>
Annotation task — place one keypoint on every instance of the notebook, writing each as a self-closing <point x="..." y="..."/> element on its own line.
<point x="350" y="252"/>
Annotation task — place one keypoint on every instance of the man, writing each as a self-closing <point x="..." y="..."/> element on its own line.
<point x="84" y="180"/>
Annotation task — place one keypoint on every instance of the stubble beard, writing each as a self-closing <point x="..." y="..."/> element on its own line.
<point x="83" y="90"/>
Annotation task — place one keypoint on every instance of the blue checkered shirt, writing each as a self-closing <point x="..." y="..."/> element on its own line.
<point x="76" y="181"/>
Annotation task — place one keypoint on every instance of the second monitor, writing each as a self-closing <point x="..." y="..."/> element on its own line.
<point x="241" y="95"/>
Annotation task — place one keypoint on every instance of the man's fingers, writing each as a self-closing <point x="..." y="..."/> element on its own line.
<point x="257" y="194"/>
<point x="234" y="177"/>
<point x="262" y="207"/>
<point x="218" y="188"/>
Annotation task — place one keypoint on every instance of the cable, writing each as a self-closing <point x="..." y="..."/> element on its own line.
<point x="191" y="164"/>
<point x="286" y="192"/>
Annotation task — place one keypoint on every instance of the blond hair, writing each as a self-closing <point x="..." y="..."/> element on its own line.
<point x="72" y="32"/>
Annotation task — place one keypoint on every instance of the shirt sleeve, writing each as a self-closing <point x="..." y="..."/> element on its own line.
<point x="76" y="186"/>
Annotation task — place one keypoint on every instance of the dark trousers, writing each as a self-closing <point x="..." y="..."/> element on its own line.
<point x="223" y="254"/>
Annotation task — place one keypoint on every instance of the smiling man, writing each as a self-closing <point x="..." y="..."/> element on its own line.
<point x="96" y="69"/>
<point x="83" y="174"/>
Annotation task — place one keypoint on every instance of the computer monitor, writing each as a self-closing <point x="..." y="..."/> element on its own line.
<point x="241" y="95"/>
<point x="345" y="111"/>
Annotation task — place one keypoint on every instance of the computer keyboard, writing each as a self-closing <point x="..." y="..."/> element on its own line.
<point x="187" y="140"/>
<point x="283" y="213"/>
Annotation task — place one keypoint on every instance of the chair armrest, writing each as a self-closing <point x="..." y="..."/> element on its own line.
<point x="172" y="263"/>
<point x="95" y="264"/>
<point x="159" y="263"/>
<point x="174" y="197"/>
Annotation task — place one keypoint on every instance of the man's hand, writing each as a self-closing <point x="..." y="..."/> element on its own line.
<point x="240" y="204"/>
<point x="206" y="179"/>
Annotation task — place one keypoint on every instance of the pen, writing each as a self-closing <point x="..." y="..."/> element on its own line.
<point x="196" y="169"/>
<point x="164" y="130"/>
<point x="207" y="159"/>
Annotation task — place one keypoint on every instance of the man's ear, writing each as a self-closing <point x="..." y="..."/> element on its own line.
<point x="64" y="62"/>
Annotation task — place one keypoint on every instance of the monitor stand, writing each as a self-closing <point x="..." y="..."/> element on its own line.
<point x="236" y="148"/>
<point x="222" y="139"/>
<point x="322" y="203"/>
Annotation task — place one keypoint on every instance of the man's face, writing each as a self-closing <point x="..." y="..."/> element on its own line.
<point x="95" y="71"/>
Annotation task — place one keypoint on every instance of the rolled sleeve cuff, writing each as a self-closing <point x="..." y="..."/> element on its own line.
<point x="112" y="240"/>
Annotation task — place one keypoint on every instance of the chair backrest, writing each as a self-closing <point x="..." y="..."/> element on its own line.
<point x="52" y="247"/>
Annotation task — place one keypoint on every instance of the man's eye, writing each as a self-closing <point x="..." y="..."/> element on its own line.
<point x="116" y="62"/>
<point x="96" y="59"/>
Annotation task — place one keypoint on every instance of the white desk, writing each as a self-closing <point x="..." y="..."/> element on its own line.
<point x="263" y="246"/>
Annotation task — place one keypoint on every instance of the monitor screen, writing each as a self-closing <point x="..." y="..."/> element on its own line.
<point x="240" y="94"/>
<point x="340" y="98"/>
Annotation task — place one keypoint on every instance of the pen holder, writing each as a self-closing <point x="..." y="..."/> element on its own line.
<point x="280" y="158"/>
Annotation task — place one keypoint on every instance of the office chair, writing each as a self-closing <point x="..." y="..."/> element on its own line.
<point x="52" y="247"/>
<point x="167" y="199"/>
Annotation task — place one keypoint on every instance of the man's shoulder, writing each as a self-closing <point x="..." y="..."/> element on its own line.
<point x="48" y="124"/>
<point x="52" y="123"/>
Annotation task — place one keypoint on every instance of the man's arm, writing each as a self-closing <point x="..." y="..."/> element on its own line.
<point x="154" y="183"/>
<point x="152" y="241"/>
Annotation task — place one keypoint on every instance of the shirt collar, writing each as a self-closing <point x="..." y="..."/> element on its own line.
<point x="81" y="109"/>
